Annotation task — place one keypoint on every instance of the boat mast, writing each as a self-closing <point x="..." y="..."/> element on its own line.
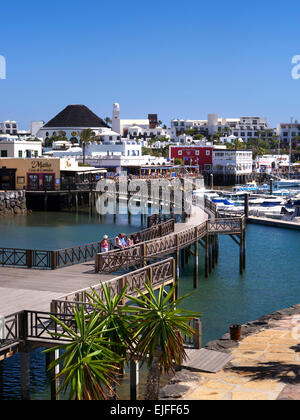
<point x="290" y="149"/>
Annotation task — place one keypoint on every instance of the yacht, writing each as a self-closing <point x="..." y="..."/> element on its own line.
<point x="286" y="183"/>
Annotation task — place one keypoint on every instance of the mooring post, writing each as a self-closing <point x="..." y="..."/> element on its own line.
<point x="241" y="254"/>
<point x="246" y="209"/>
<point x="45" y="201"/>
<point x="213" y="258"/>
<point x="196" y="266"/>
<point x="182" y="258"/>
<point x="187" y="254"/>
<point x="76" y="202"/>
<point x="134" y="379"/>
<point x="206" y="257"/>
<point x="25" y="371"/>
<point x="211" y="181"/>
<point x="53" y="373"/>
<point x="271" y="186"/>
<point x="210" y="254"/>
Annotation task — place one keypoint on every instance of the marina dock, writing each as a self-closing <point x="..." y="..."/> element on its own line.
<point x="273" y="222"/>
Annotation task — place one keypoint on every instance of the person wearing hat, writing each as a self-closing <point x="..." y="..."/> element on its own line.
<point x="104" y="244"/>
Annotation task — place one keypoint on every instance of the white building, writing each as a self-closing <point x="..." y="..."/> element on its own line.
<point x="128" y="148"/>
<point x="35" y="126"/>
<point x="71" y="121"/>
<point x="230" y="139"/>
<point x="13" y="147"/>
<point x="243" y="127"/>
<point x="268" y="162"/>
<point x="9" y="127"/>
<point x="232" y="162"/>
<point x="125" y="126"/>
<point x="288" y="132"/>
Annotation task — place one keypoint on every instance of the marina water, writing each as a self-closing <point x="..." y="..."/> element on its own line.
<point x="270" y="282"/>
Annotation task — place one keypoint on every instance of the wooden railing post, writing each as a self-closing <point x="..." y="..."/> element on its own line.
<point x="97" y="263"/>
<point x="197" y="337"/>
<point x="150" y="276"/>
<point x="144" y="253"/>
<point x="53" y="260"/>
<point x="29" y="258"/>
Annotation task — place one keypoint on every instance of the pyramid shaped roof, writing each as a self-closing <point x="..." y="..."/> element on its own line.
<point x="76" y="116"/>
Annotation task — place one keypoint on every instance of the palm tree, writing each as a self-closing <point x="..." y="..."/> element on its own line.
<point x="160" y="326"/>
<point x="117" y="323"/>
<point x="86" y="136"/>
<point x="108" y="120"/>
<point x="89" y="366"/>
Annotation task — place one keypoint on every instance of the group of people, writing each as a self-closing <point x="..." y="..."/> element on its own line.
<point x="121" y="241"/>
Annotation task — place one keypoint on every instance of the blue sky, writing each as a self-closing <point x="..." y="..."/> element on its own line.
<point x="176" y="58"/>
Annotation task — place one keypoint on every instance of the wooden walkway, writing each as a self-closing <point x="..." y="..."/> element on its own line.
<point x="204" y="360"/>
<point x="24" y="288"/>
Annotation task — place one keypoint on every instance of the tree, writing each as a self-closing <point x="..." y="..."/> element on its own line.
<point x="159" y="328"/>
<point x="116" y="322"/>
<point x="86" y="136"/>
<point x="89" y="366"/>
<point x="108" y="120"/>
<point x="178" y="161"/>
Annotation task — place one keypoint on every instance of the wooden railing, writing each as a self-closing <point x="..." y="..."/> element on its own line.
<point x="162" y="272"/>
<point x="115" y="260"/>
<point x="226" y="226"/>
<point x="35" y="325"/>
<point x="26" y="258"/>
<point x="69" y="256"/>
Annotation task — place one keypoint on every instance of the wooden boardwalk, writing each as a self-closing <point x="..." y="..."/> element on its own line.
<point x="204" y="360"/>
<point x="24" y="288"/>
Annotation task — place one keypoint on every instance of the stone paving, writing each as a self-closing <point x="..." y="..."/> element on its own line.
<point x="266" y="366"/>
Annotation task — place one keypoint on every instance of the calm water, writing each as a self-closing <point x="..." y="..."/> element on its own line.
<point x="271" y="280"/>
<point x="61" y="230"/>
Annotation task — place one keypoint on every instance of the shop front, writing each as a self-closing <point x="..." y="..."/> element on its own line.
<point x="41" y="182"/>
<point x="7" y="179"/>
<point x="31" y="174"/>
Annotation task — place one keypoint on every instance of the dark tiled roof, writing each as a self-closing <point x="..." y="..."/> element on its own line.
<point x="76" y="116"/>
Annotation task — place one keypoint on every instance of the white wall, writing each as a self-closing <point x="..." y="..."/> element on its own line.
<point x="25" y="147"/>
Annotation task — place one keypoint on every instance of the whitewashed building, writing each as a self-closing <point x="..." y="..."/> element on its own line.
<point x="288" y="132"/>
<point x="243" y="127"/>
<point x="232" y="162"/>
<point x="9" y="127"/>
<point x="72" y="121"/>
<point x="13" y="147"/>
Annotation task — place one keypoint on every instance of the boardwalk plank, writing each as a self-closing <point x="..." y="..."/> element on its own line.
<point x="206" y="360"/>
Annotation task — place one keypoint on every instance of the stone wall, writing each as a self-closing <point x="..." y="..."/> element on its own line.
<point x="12" y="203"/>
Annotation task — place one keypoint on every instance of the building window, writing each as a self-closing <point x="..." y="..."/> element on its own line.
<point x="20" y="153"/>
<point x="35" y="153"/>
<point x="20" y="180"/>
<point x="179" y="152"/>
<point x="3" y="153"/>
<point x="207" y="152"/>
<point x="197" y="152"/>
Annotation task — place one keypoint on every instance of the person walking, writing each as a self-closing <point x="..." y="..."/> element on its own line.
<point x="104" y="244"/>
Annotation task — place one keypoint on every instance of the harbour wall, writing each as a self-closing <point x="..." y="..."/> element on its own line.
<point x="273" y="223"/>
<point x="12" y="203"/>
